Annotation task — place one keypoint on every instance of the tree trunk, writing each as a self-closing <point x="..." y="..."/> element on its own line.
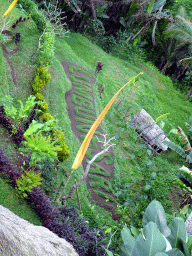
<point x="188" y="94"/>
<point x="164" y="68"/>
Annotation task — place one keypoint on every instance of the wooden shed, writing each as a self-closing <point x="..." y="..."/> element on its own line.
<point x="149" y="131"/>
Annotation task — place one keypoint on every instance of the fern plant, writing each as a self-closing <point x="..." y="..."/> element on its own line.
<point x="41" y="148"/>
<point x="17" y="114"/>
<point x="27" y="182"/>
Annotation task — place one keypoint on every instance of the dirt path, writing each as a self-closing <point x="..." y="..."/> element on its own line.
<point x="81" y="109"/>
<point x="6" y="53"/>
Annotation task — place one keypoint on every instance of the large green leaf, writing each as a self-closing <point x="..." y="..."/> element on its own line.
<point x="150" y="6"/>
<point x="178" y="234"/>
<point x="161" y="254"/>
<point x="158" y="5"/>
<point x="174" y="252"/>
<point x="109" y="253"/>
<point x="128" y="239"/>
<point x="123" y="251"/>
<point x="149" y="242"/>
<point x="156" y="213"/>
<point x="33" y="127"/>
<point x="189" y="243"/>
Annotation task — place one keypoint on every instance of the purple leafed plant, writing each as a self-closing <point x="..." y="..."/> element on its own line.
<point x="7" y="170"/>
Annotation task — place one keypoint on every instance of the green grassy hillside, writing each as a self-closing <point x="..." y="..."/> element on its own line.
<point x="134" y="165"/>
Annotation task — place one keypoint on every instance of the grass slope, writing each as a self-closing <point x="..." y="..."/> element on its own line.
<point x="154" y="92"/>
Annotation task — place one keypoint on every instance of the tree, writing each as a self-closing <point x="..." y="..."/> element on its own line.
<point x="149" y="13"/>
<point x="181" y="31"/>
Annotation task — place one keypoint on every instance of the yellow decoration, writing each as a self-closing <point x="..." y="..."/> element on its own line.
<point x="81" y="153"/>
<point x="10" y="8"/>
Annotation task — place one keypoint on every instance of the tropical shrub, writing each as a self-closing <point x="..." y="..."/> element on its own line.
<point x="42" y="77"/>
<point x="46" y="117"/>
<point x="17" y="114"/>
<point x="7" y="170"/>
<point x="156" y="238"/>
<point x="15" y="131"/>
<point x="46" y="52"/>
<point x="32" y="9"/>
<point x="43" y="107"/>
<point x="27" y="182"/>
<point x="59" y="137"/>
<point x="39" y="97"/>
<point x="40" y="147"/>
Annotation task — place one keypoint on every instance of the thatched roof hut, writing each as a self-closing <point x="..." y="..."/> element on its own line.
<point x="150" y="132"/>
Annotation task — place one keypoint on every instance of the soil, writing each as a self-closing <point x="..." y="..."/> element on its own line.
<point x="96" y="199"/>
<point x="6" y="53"/>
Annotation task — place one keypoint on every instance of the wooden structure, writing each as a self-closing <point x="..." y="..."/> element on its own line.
<point x="149" y="131"/>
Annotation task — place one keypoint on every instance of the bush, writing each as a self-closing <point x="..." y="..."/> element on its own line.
<point x="31" y="8"/>
<point x="42" y="77"/>
<point x="39" y="97"/>
<point x="7" y="170"/>
<point x="43" y="107"/>
<point x="27" y="182"/>
<point x="156" y="237"/>
<point x="62" y="155"/>
<point x="46" y="52"/>
<point x="64" y="222"/>
<point x="46" y="117"/>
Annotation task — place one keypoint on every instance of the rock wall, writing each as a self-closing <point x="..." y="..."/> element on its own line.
<point x="18" y="237"/>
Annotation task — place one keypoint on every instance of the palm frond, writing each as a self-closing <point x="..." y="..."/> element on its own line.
<point x="176" y="148"/>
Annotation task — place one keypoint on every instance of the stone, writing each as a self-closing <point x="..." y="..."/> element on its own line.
<point x="18" y="237"/>
<point x="188" y="225"/>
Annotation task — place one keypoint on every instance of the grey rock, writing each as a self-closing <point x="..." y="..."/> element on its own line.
<point x="188" y="225"/>
<point x="18" y="237"/>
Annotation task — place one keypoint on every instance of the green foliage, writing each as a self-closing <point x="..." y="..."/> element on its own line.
<point x="43" y="107"/>
<point x="17" y="113"/>
<point x="39" y="97"/>
<point x="42" y="77"/>
<point x="59" y="138"/>
<point x="48" y="174"/>
<point x="40" y="147"/>
<point x="103" y="194"/>
<point x="46" y="52"/>
<point x="32" y="9"/>
<point x="46" y="117"/>
<point x="27" y="182"/>
<point x="36" y="127"/>
<point x="156" y="237"/>
<point x="179" y="150"/>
